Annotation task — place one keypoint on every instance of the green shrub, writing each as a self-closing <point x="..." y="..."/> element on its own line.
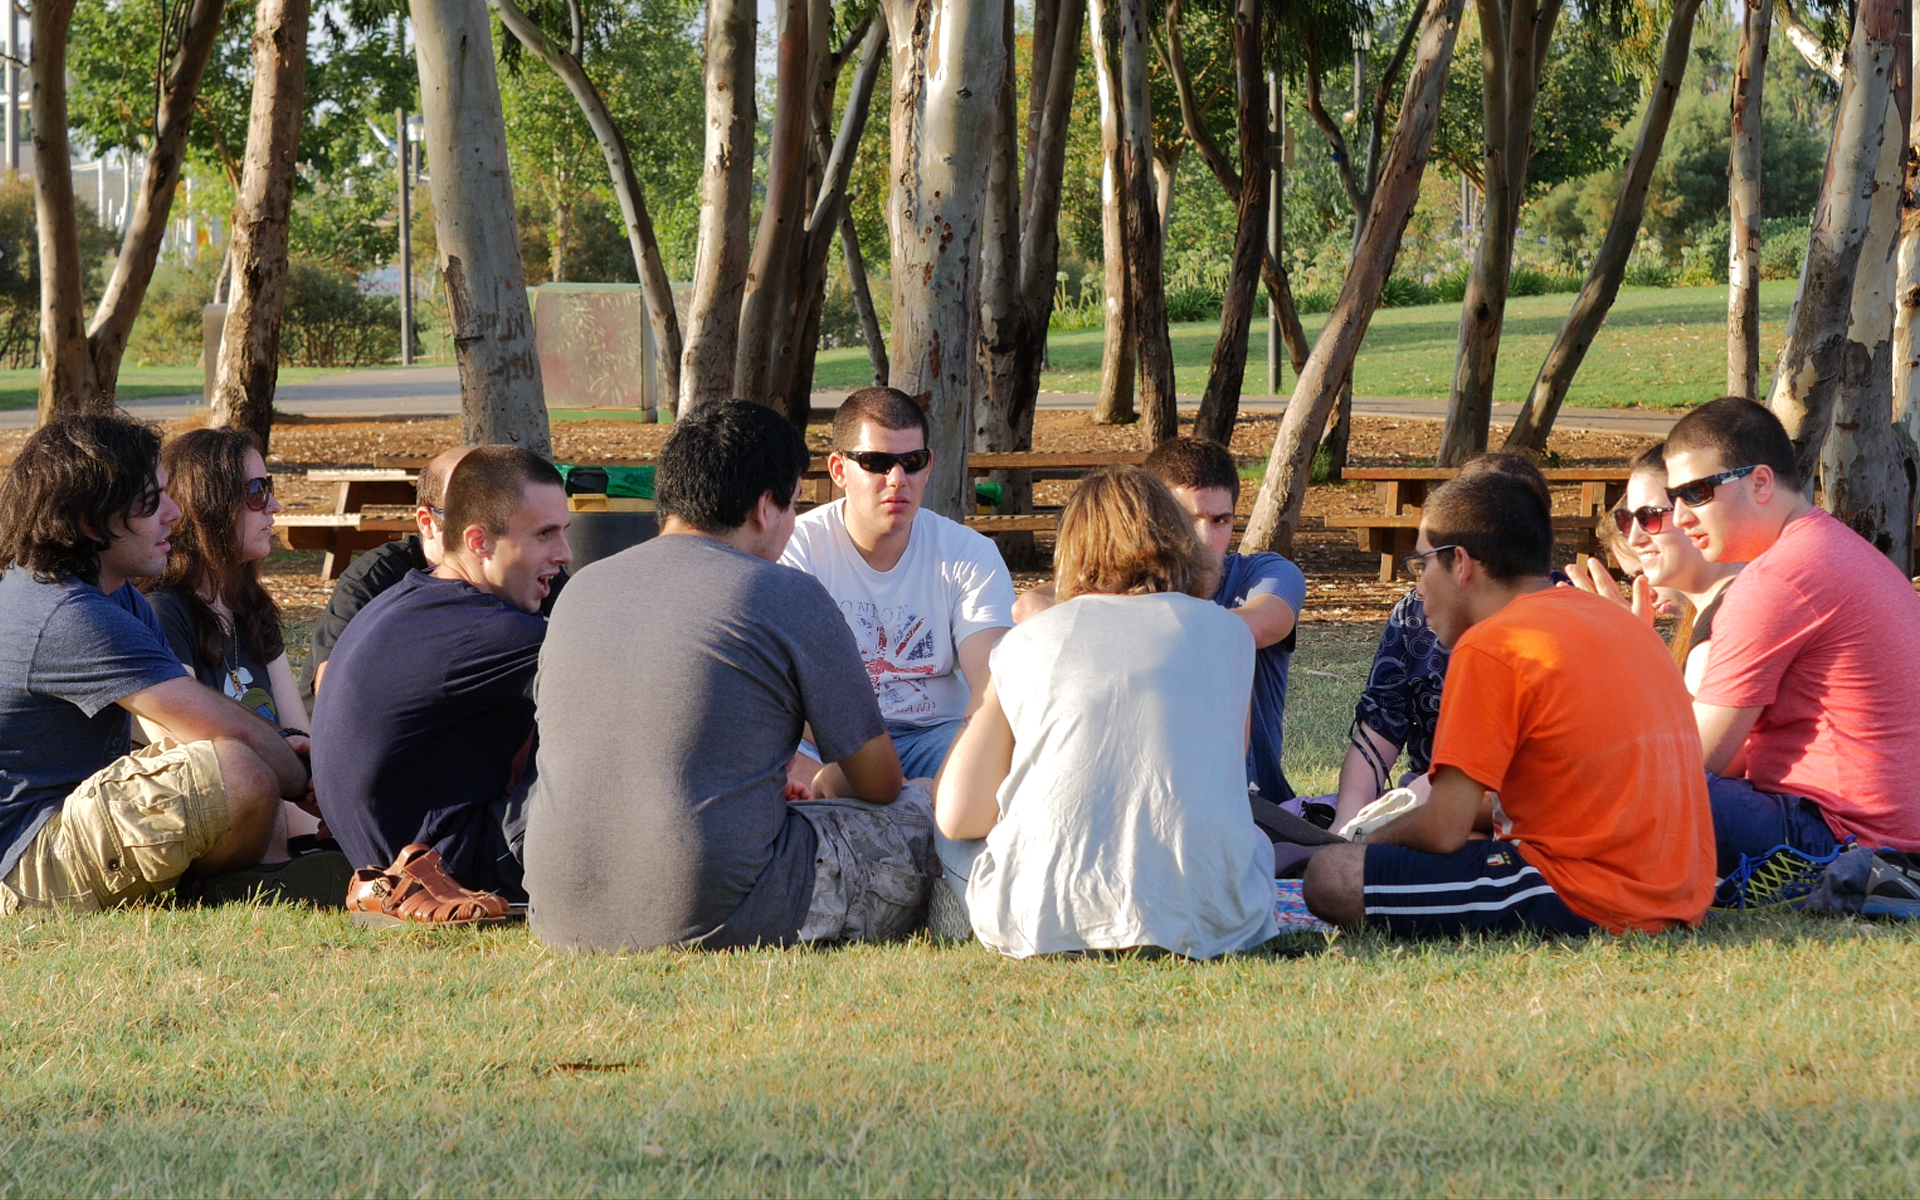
<point x="1782" y="251"/>
<point x="1650" y="273"/>
<point x="170" y="327"/>
<point x="1199" y="303"/>
<point x="1449" y="287"/>
<point x="329" y="322"/>
<point x="1401" y="292"/>
<point x="1315" y="300"/>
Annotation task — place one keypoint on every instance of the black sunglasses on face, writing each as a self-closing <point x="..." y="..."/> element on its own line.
<point x="259" y="493"/>
<point x="1651" y="519"/>
<point x="1700" y="491"/>
<point x="878" y="462"/>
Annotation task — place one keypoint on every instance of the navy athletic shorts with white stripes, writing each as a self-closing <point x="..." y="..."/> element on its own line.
<point x="1484" y="887"/>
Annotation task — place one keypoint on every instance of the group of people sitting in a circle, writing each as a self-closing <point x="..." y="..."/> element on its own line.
<point x="770" y="727"/>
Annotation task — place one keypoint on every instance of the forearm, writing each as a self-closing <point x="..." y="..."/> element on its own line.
<point x="1366" y="773"/>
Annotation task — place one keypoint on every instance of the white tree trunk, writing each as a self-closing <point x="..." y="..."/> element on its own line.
<point x="249" y="363"/>
<point x="1906" y="317"/>
<point x="1115" y="403"/>
<point x="479" y="236"/>
<point x="1743" y="202"/>
<point x="1276" y="511"/>
<point x="720" y="263"/>
<point x="1867" y="468"/>
<point x="948" y="56"/>
<point x="1807" y="377"/>
<point x="1146" y="280"/>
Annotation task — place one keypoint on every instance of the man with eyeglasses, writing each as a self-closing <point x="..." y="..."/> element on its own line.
<point x="927" y="598"/>
<point x="1809" y="712"/>
<point x="1595" y="823"/>
<point x="87" y="820"/>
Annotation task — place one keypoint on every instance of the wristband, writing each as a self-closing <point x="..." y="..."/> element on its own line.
<point x="294" y="733"/>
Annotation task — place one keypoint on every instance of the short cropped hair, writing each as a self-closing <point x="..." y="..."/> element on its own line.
<point x="430" y="490"/>
<point x="1499" y="515"/>
<point x="75" y="474"/>
<point x="489" y="486"/>
<point x="1517" y="467"/>
<point x="1196" y="463"/>
<point x="719" y="461"/>
<point x="889" y="408"/>
<point x="1123" y="534"/>
<point x="1743" y="433"/>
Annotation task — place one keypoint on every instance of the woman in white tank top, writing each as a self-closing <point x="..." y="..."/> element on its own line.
<point x="1097" y="797"/>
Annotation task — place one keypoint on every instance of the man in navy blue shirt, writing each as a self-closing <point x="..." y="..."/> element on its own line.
<point x="423" y="732"/>
<point x="1265" y="590"/>
<point x="88" y="821"/>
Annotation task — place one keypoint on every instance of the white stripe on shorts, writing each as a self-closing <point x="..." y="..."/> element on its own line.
<point x="1463" y="885"/>
<point x="1476" y="906"/>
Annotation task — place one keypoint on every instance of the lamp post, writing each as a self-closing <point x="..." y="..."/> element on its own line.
<point x="406" y="238"/>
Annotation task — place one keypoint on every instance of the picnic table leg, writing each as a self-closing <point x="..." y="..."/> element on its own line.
<point x="335" y="563"/>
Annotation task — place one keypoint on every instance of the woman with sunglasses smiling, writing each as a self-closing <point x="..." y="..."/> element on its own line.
<point x="1675" y="579"/>
<point x="218" y="618"/>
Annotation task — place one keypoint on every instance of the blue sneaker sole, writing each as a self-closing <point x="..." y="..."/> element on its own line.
<point x="1905" y="910"/>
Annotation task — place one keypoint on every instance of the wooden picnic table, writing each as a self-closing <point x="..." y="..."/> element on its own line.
<point x="392" y="480"/>
<point x="1391" y="532"/>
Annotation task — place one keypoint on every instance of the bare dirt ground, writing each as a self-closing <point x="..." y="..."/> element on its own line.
<point x="1341" y="578"/>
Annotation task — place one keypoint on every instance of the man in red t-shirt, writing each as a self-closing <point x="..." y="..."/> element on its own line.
<point x="1563" y="732"/>
<point x="1809" y="713"/>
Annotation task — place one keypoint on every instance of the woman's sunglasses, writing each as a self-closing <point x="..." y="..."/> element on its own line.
<point x="1651" y="519"/>
<point x="259" y="493"/>
<point x="878" y="462"/>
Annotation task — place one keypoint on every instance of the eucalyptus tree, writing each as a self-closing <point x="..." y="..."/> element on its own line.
<point x="528" y="27"/>
<point x="1609" y="266"/>
<point x="81" y="359"/>
<point x="1276" y="511"/>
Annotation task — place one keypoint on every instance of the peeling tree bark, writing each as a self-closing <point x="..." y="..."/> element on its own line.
<point x="1114" y="406"/>
<point x="249" y="361"/>
<point x="67" y="381"/>
<point x="644" y="244"/>
<point x="153" y="208"/>
<point x="1743" y="202"/>
<point x="1276" y="510"/>
<point x="948" y="56"/>
<point x="798" y="335"/>
<point x="65" y="385"/>
<point x="1220" y="402"/>
<point x="478" y="234"/>
<point x="1570" y="346"/>
<point x="1807" y="377"/>
<point x="1867" y="467"/>
<point x="770" y="272"/>
<point x="1146" y="283"/>
<point x="1906" y="317"/>
<point x="1516" y="35"/>
<point x="720" y="263"/>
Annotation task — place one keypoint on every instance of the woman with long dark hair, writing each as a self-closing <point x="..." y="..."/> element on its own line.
<point x="218" y="618"/>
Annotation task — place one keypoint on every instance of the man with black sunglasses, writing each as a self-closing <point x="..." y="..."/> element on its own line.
<point x="927" y="598"/>
<point x="1809" y="712"/>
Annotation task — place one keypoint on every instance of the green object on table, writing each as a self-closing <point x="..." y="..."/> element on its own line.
<point x="988" y="493"/>
<point x="635" y="482"/>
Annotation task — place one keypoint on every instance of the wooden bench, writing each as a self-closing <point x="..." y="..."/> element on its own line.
<point x="343" y="532"/>
<point x="1403" y="492"/>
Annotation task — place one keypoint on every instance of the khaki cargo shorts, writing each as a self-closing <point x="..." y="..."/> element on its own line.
<point x="128" y="831"/>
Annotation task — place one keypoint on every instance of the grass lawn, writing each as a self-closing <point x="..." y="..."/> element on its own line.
<point x="20" y="386"/>
<point x="1660" y="348"/>
<point x="274" y="1051"/>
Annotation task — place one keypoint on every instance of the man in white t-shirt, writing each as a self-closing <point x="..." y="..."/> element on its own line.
<point x="927" y="598"/>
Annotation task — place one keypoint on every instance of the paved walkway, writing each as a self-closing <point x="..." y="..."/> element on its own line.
<point x="435" y="391"/>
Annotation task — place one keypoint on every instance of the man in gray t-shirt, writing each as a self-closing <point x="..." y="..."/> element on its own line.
<point x="676" y="679"/>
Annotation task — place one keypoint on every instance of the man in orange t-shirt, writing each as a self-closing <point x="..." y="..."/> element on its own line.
<point x="1564" y="731"/>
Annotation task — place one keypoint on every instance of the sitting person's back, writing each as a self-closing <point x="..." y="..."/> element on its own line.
<point x="661" y="815"/>
<point x="1101" y="791"/>
<point x="421" y="732"/>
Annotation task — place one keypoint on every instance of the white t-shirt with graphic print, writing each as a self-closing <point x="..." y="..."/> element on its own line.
<point x="949" y="585"/>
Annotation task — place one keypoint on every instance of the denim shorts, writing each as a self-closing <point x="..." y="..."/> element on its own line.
<point x="1749" y="821"/>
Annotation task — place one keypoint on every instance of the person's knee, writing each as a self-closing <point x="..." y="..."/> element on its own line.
<point x="1334" y="885"/>
<point x="253" y="791"/>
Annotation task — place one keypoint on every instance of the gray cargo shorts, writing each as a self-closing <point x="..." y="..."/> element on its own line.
<point x="874" y="869"/>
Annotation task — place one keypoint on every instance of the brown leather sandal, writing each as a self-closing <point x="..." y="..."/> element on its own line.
<point x="416" y="890"/>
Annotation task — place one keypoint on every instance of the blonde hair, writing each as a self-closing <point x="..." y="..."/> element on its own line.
<point x="1123" y="534"/>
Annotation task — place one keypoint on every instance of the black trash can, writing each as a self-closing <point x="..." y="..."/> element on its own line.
<point x="598" y="535"/>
